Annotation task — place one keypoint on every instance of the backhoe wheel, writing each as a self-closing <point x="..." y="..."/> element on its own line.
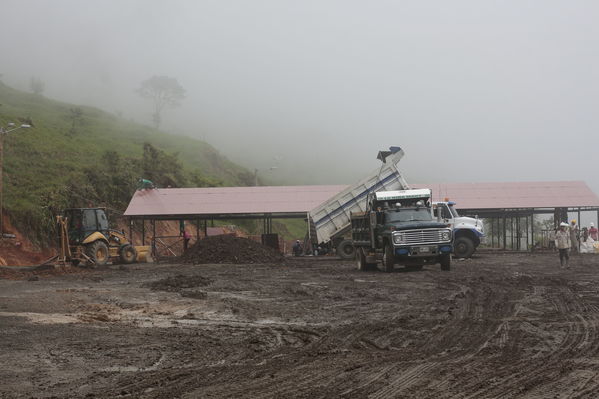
<point x="388" y="258"/>
<point x="463" y="247"/>
<point x="446" y="262"/>
<point x="128" y="254"/>
<point x="345" y="249"/>
<point x="98" y="252"/>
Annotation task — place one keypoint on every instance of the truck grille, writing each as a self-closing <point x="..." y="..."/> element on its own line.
<point x="421" y="236"/>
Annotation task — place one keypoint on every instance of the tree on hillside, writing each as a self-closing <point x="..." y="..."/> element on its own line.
<point x="161" y="168"/>
<point x="163" y="91"/>
<point x="37" y="85"/>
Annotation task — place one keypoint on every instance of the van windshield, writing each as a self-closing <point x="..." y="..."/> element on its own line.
<point x="408" y="215"/>
<point x="454" y="211"/>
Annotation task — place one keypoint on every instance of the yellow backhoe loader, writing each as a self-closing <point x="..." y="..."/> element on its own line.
<point x="85" y="237"/>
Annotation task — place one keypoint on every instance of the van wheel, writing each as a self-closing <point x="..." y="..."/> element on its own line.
<point x="463" y="247"/>
<point x="388" y="258"/>
<point x="345" y="249"/>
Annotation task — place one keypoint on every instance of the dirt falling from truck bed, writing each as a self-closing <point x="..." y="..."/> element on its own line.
<point x="230" y="249"/>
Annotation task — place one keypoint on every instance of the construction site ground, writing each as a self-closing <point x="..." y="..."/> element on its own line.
<point x="499" y="325"/>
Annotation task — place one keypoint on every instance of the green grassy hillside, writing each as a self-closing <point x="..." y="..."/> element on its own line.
<point x="77" y="156"/>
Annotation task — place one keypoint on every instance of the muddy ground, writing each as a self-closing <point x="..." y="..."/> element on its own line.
<point x="497" y="326"/>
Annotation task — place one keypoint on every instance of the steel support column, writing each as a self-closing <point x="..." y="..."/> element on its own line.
<point x="532" y="229"/>
<point x="154" y="240"/>
<point x="504" y="231"/>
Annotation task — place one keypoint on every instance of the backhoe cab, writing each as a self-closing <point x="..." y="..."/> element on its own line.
<point x="86" y="237"/>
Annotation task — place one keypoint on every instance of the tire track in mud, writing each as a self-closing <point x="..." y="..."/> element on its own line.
<point x="532" y="375"/>
<point x="273" y="345"/>
<point x="484" y="330"/>
<point x="416" y="377"/>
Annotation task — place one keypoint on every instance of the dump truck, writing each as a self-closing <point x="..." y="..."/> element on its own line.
<point x="330" y="222"/>
<point x="86" y="238"/>
<point x="468" y="233"/>
<point x="398" y="227"/>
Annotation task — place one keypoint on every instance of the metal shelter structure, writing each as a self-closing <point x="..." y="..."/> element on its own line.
<point x="202" y="205"/>
<point x="510" y="208"/>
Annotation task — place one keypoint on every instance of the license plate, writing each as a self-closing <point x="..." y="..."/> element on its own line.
<point x="424" y="249"/>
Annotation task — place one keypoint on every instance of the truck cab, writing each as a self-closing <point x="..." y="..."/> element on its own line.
<point x="468" y="232"/>
<point x="399" y="228"/>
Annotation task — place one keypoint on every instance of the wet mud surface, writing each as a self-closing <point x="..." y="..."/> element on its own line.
<point x="497" y="326"/>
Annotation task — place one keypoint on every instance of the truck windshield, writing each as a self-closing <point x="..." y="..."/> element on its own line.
<point x="409" y="215"/>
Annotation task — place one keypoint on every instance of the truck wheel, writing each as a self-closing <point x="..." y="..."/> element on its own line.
<point x="446" y="262"/>
<point x="463" y="247"/>
<point x="345" y="249"/>
<point x="98" y="252"/>
<point x="388" y="258"/>
<point x="361" y="260"/>
<point x="128" y="254"/>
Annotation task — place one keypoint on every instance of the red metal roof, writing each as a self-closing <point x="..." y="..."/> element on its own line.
<point x="229" y="200"/>
<point x="302" y="199"/>
<point x="549" y="194"/>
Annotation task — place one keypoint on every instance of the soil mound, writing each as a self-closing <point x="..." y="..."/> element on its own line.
<point x="230" y="249"/>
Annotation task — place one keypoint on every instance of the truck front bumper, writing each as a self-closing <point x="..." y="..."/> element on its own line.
<point x="423" y="251"/>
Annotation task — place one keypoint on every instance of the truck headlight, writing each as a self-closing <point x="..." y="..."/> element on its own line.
<point x="398" y="238"/>
<point x="445" y="235"/>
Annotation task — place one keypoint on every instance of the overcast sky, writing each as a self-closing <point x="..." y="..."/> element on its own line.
<point x="471" y="90"/>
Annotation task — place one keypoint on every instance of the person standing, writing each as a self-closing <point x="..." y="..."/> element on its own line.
<point x="297" y="248"/>
<point x="186" y="238"/>
<point x="574" y="234"/>
<point x="593" y="231"/>
<point x="563" y="244"/>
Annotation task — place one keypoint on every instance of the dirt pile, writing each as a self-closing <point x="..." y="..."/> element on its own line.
<point x="230" y="249"/>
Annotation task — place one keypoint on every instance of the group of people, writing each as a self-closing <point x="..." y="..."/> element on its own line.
<point x="568" y="238"/>
<point x="298" y="249"/>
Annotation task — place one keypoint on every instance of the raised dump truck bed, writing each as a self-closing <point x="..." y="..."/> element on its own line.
<point x="330" y="222"/>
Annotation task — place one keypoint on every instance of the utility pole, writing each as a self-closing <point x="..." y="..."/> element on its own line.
<point x="4" y="132"/>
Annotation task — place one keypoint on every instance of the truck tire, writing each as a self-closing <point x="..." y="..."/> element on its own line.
<point x="463" y="247"/>
<point x="361" y="260"/>
<point x="388" y="258"/>
<point x="346" y="250"/>
<point x="446" y="262"/>
<point x="98" y="252"/>
<point x="128" y="254"/>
